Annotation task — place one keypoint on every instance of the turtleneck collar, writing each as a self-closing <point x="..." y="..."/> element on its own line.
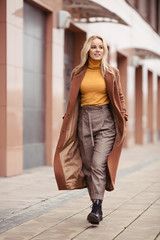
<point x="94" y="64"/>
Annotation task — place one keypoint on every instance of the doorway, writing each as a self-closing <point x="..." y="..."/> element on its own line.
<point x="138" y="106"/>
<point x="34" y="86"/>
<point x="158" y="108"/>
<point x="73" y="43"/>
<point x="150" y="108"/>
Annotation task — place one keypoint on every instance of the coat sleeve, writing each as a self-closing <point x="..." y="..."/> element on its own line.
<point x="121" y="96"/>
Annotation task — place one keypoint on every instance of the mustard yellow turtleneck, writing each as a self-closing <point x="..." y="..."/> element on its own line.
<point x="93" y="88"/>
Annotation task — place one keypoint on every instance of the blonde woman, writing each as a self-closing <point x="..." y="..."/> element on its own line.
<point x="93" y="128"/>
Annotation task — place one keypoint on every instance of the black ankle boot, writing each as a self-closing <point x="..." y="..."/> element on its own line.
<point x="96" y="214"/>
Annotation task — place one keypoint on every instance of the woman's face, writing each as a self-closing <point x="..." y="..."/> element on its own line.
<point x="96" y="51"/>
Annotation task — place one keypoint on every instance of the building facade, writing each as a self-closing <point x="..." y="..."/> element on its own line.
<point x="38" y="53"/>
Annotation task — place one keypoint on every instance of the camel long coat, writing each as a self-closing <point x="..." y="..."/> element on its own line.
<point x="67" y="160"/>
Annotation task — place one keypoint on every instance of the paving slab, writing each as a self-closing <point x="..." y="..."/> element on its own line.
<point x="31" y="207"/>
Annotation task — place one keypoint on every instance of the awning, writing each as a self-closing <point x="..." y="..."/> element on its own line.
<point x="86" y="11"/>
<point x="142" y="53"/>
<point x="146" y="54"/>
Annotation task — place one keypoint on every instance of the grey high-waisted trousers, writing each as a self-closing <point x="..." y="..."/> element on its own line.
<point x="96" y="131"/>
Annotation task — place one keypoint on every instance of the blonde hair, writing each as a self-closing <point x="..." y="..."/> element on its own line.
<point x="85" y="54"/>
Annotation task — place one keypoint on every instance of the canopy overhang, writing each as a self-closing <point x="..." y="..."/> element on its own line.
<point x="146" y="54"/>
<point x="86" y="11"/>
<point x="142" y="53"/>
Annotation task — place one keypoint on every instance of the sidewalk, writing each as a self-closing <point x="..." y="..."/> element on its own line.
<point x="31" y="207"/>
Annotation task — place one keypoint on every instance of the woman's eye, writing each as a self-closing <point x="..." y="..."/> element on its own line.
<point x="94" y="47"/>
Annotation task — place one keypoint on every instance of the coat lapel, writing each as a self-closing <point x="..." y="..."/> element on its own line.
<point x="75" y="87"/>
<point x="109" y="79"/>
